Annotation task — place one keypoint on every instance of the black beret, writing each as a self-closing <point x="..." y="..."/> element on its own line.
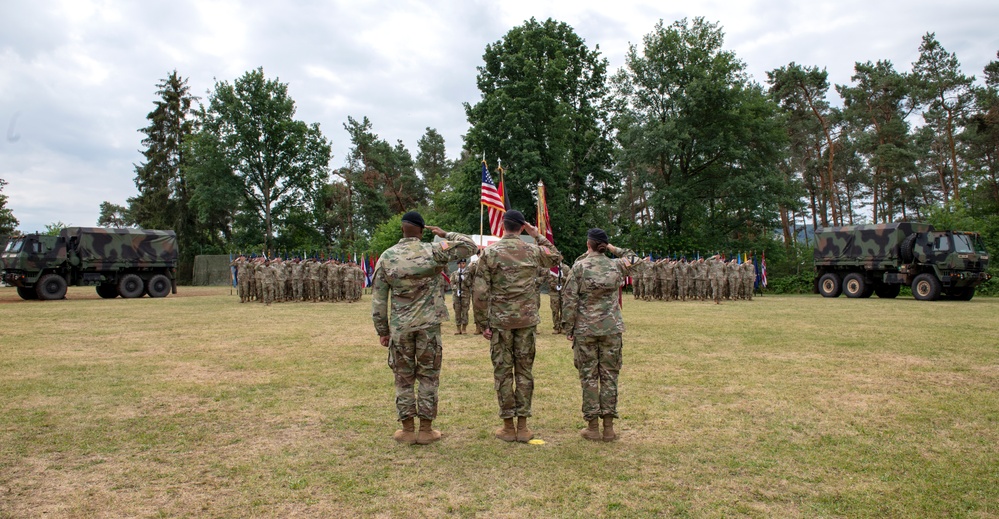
<point x="414" y="218"/>
<point x="597" y="235"/>
<point x="514" y="216"/>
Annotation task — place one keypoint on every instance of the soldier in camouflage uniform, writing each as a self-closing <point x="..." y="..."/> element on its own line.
<point x="748" y="279"/>
<point x="407" y="274"/>
<point x="732" y="279"/>
<point x="473" y="266"/>
<point x="461" y="296"/>
<point x="671" y="291"/>
<point x="716" y="275"/>
<point x="592" y="321"/>
<point x="242" y="278"/>
<point x="556" y="283"/>
<point x="700" y="271"/>
<point x="505" y="302"/>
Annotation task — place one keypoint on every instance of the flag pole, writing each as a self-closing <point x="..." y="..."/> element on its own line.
<point x="481" y="206"/>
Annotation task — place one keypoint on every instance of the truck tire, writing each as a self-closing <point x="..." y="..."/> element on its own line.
<point x="926" y="287"/>
<point x="854" y="285"/>
<point x="107" y="291"/>
<point x="158" y="286"/>
<point x="829" y="285"/>
<point x="28" y="294"/>
<point x="51" y="287"/>
<point x="961" y="293"/>
<point x="885" y="291"/>
<point x="130" y="286"/>
<point x="907" y="250"/>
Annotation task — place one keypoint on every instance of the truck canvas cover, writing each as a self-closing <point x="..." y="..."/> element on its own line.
<point x="105" y="249"/>
<point x="863" y="244"/>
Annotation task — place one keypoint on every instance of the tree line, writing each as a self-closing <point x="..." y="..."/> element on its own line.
<point x="679" y="151"/>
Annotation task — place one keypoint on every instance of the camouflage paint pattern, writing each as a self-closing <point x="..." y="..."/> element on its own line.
<point x="879" y="250"/>
<point x="79" y="251"/>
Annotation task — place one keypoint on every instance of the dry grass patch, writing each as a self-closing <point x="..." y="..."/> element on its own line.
<point x="197" y="405"/>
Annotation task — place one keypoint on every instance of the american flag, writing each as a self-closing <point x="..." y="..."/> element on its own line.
<point x="492" y="198"/>
<point x="763" y="270"/>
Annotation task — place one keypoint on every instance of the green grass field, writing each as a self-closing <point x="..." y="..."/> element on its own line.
<point x="198" y="406"/>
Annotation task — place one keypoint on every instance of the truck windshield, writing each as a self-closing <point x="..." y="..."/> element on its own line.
<point x="15" y="245"/>
<point x="962" y="243"/>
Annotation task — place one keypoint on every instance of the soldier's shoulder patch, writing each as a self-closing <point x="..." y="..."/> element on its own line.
<point x="546" y="249"/>
<point x="445" y="245"/>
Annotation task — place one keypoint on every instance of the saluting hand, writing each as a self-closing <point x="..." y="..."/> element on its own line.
<point x="437" y="230"/>
<point x="532" y="231"/>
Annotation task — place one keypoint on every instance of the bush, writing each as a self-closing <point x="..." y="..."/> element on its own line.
<point x="791" y="284"/>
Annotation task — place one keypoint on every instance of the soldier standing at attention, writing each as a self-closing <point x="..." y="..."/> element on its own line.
<point x="506" y="306"/>
<point x="461" y="296"/>
<point x="556" y="282"/>
<point x="592" y="321"/>
<point x="408" y="271"/>
<point x="472" y="269"/>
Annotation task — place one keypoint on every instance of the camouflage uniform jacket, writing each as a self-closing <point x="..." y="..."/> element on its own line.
<point x="504" y="292"/>
<point x="590" y="299"/>
<point x="411" y="270"/>
<point x="461" y="282"/>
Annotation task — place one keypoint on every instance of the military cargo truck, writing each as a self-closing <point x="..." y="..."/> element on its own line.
<point x="118" y="262"/>
<point x="861" y="260"/>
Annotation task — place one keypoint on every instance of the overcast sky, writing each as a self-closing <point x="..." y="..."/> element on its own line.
<point x="77" y="77"/>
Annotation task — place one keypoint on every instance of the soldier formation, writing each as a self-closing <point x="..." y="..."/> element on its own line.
<point x="699" y="280"/>
<point x="275" y="280"/>
<point x="503" y="288"/>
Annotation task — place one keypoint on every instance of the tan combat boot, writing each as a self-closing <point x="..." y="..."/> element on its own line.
<point x="427" y="434"/>
<point x="507" y="433"/>
<point x="407" y="434"/>
<point x="592" y="430"/>
<point x="609" y="434"/>
<point x="523" y="432"/>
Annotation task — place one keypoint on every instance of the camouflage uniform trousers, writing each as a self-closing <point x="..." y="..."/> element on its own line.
<point x="512" y="353"/>
<point x="244" y="288"/>
<point x="717" y="288"/>
<point x="598" y="359"/>
<point x="461" y="305"/>
<point x="415" y="358"/>
<point x="555" y="302"/>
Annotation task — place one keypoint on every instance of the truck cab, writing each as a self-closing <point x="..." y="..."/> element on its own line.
<point x="29" y="257"/>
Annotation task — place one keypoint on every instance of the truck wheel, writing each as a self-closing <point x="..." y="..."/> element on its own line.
<point x="854" y="285"/>
<point x="885" y="291"/>
<point x="962" y="293"/>
<point x="51" y="287"/>
<point x="158" y="286"/>
<point x="907" y="250"/>
<point x="829" y="285"/>
<point x="926" y="287"/>
<point x="107" y="291"/>
<point x="28" y="294"/>
<point x="130" y="286"/>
